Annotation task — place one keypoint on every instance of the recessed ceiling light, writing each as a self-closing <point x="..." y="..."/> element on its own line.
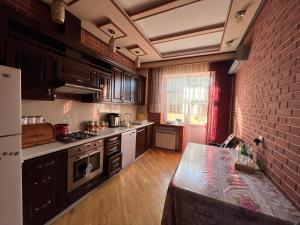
<point x="240" y="15"/>
<point x="229" y="43"/>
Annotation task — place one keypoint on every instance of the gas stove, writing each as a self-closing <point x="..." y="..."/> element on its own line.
<point x="75" y="136"/>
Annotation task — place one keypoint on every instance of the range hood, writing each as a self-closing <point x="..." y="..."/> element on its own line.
<point x="76" y="89"/>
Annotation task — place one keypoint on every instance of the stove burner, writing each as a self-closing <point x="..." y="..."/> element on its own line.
<point x="75" y="136"/>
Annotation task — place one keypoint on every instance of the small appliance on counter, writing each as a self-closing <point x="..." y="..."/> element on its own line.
<point x="113" y="119"/>
<point x="61" y="129"/>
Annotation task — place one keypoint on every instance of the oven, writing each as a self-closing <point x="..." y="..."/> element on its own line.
<point x="84" y="163"/>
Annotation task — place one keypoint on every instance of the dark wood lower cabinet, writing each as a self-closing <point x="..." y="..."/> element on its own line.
<point x="114" y="164"/>
<point x="41" y="206"/>
<point x="149" y="142"/>
<point x="141" y="136"/>
<point x="144" y="139"/>
<point x="44" y="188"/>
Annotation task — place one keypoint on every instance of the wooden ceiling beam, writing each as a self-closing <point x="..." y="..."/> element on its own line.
<point x="226" y="56"/>
<point x="160" y="9"/>
<point x="188" y="34"/>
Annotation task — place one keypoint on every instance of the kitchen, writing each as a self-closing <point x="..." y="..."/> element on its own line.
<point x="114" y="112"/>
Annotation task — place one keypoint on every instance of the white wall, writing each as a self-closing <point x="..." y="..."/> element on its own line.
<point x="74" y="113"/>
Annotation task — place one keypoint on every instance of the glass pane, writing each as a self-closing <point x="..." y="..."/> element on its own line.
<point x="79" y="169"/>
<point x="95" y="161"/>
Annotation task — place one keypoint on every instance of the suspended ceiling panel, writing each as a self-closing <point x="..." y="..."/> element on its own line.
<point x="135" y="6"/>
<point x="187" y="44"/>
<point x="162" y="27"/>
<point x="189" y="17"/>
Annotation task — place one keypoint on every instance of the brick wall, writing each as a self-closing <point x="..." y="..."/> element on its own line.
<point x="267" y="94"/>
<point x="39" y="11"/>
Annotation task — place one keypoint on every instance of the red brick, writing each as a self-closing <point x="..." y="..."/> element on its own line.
<point x="274" y="37"/>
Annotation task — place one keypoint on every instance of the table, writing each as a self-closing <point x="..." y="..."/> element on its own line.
<point x="206" y="189"/>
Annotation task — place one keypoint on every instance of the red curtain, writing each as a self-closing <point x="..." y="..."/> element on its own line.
<point x="220" y="103"/>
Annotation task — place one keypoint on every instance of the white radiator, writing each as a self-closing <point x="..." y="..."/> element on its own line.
<point x="165" y="139"/>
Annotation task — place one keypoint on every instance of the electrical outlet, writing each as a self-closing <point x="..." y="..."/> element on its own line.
<point x="261" y="138"/>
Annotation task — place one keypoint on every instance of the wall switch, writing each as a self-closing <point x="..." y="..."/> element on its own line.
<point x="261" y="138"/>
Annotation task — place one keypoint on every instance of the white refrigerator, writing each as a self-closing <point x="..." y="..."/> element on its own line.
<point x="10" y="147"/>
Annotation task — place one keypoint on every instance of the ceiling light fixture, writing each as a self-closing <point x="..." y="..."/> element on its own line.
<point x="137" y="62"/>
<point x="229" y="43"/>
<point x="58" y="11"/>
<point x="240" y="16"/>
<point x="112" y="41"/>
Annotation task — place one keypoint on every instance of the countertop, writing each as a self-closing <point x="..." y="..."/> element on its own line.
<point x="40" y="150"/>
<point x="207" y="189"/>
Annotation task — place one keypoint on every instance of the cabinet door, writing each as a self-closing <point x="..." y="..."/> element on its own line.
<point x="114" y="164"/>
<point x="149" y="137"/>
<point x="117" y="85"/>
<point x="76" y="73"/>
<point x="41" y="206"/>
<point x="2" y="36"/>
<point x="135" y="89"/>
<point x="36" y="66"/>
<point x="127" y="88"/>
<point x="140" y="141"/>
<point x="105" y="88"/>
<point x="44" y="187"/>
<point x="142" y="90"/>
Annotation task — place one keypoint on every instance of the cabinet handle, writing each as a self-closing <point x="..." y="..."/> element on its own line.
<point x="113" y="139"/>
<point x="113" y="149"/>
<point x="47" y="164"/>
<point x="49" y="91"/>
<point x="80" y="81"/>
<point x="115" y="160"/>
<point x="43" y="181"/>
<point x="140" y="130"/>
<point x="43" y="206"/>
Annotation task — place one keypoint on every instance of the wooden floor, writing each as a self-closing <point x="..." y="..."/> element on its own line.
<point x="133" y="197"/>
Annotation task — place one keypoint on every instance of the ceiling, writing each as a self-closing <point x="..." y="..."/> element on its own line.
<point x="164" y="29"/>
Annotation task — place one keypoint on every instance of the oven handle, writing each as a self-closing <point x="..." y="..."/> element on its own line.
<point x="82" y="157"/>
<point x="91" y="153"/>
<point x="87" y="155"/>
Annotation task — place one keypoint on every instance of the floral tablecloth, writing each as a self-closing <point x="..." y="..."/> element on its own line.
<point x="207" y="190"/>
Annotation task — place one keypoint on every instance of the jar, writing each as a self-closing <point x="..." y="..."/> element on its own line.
<point x="61" y="129"/>
<point x="24" y="120"/>
<point x="31" y="120"/>
<point x="39" y="119"/>
<point x="90" y="125"/>
<point x="97" y="125"/>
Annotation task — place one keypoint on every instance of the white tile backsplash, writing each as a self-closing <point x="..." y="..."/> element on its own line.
<point x="74" y="113"/>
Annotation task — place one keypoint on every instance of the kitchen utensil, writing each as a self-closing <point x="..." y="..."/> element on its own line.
<point x="61" y="129"/>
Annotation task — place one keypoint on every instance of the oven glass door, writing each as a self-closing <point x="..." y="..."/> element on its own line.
<point x="94" y="162"/>
<point x="80" y="168"/>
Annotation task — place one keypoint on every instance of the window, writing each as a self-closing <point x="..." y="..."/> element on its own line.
<point x="186" y="98"/>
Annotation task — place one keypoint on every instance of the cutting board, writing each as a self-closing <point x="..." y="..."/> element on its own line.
<point x="37" y="134"/>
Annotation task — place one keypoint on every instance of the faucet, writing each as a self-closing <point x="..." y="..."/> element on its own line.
<point x="126" y="122"/>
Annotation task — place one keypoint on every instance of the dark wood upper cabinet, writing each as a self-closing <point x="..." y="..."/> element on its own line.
<point x="105" y="88"/>
<point x="37" y="68"/>
<point x="142" y="90"/>
<point x="117" y="87"/>
<point x="127" y="88"/>
<point x="73" y="72"/>
<point x="135" y="81"/>
<point x="2" y="36"/>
